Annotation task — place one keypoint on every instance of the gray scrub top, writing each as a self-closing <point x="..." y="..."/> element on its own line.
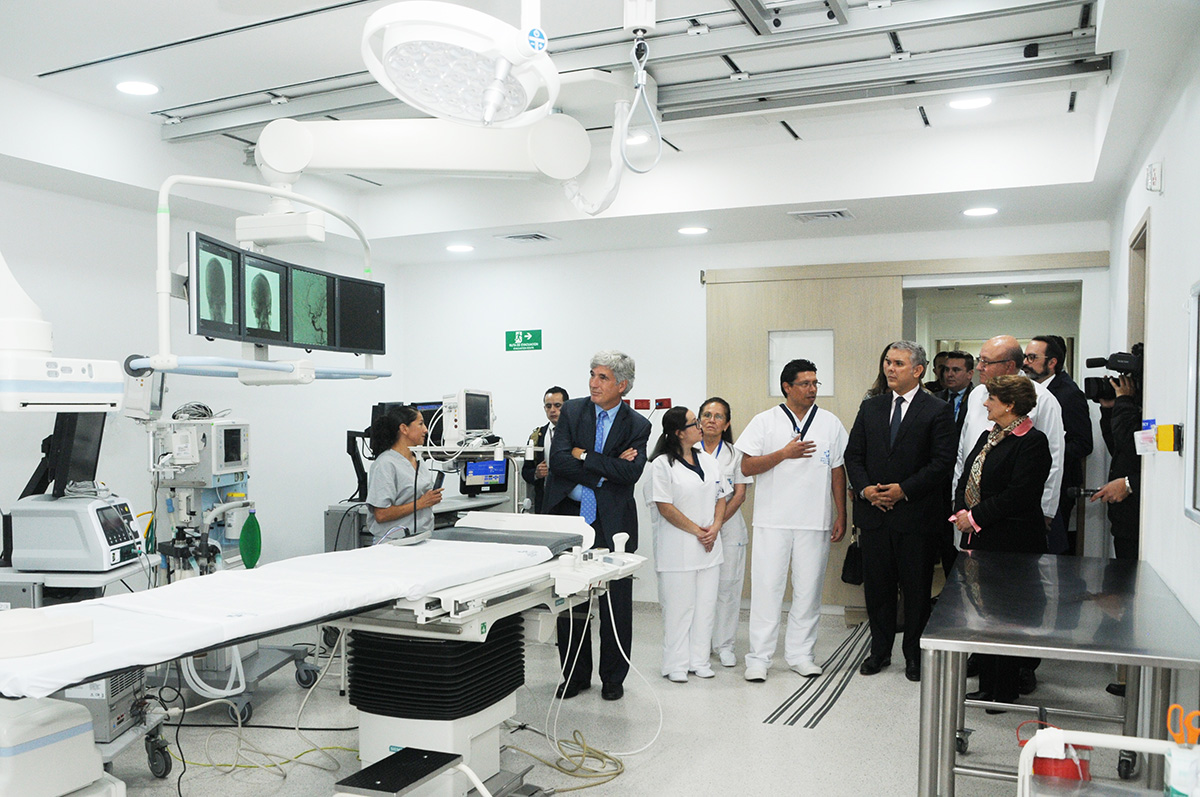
<point x="390" y="483"/>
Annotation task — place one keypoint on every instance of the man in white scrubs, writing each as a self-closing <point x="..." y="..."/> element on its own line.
<point x="795" y="450"/>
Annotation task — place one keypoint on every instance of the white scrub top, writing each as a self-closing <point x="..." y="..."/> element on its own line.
<point x="729" y="459"/>
<point x="674" y="483"/>
<point x="796" y="493"/>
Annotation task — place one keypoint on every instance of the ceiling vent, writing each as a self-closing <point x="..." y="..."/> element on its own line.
<point x="527" y="237"/>
<point x="805" y="216"/>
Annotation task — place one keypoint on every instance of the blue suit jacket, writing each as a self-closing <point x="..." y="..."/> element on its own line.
<point x="616" y="509"/>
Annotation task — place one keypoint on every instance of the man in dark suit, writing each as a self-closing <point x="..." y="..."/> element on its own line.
<point x="957" y="375"/>
<point x="899" y="456"/>
<point x="1044" y="358"/>
<point x="598" y="454"/>
<point x="534" y="470"/>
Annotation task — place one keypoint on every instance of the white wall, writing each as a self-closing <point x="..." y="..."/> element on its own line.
<point x="1170" y="542"/>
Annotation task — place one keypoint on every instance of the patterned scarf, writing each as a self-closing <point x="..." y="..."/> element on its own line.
<point x="995" y="436"/>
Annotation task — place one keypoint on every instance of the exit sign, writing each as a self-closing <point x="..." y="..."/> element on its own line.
<point x="523" y="340"/>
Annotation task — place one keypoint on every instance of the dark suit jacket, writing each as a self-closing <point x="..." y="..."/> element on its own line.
<point x="616" y="509"/>
<point x="920" y="462"/>
<point x="1010" y="493"/>
<point x="529" y="468"/>
<point x="1076" y="424"/>
<point x="947" y="397"/>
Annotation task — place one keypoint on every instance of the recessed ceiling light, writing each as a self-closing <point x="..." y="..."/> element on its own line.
<point x="692" y="230"/>
<point x="970" y="103"/>
<point x="460" y="248"/>
<point x="980" y="212"/>
<point x="999" y="300"/>
<point x="137" y="87"/>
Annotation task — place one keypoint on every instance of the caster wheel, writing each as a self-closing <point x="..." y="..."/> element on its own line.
<point x="245" y="712"/>
<point x="329" y="635"/>
<point x="305" y="677"/>
<point x="160" y="762"/>
<point x="1126" y="765"/>
<point x="962" y="744"/>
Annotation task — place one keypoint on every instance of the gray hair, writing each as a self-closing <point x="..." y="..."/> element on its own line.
<point x="915" y="349"/>
<point x="620" y="363"/>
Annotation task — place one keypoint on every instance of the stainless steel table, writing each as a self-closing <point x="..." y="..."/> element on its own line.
<point x="1053" y="607"/>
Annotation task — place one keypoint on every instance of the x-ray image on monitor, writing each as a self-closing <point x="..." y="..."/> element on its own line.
<point x="312" y="309"/>
<point x="264" y="282"/>
<point x="213" y="294"/>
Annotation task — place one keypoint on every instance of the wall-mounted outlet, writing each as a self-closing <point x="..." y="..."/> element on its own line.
<point x="641" y="404"/>
<point x="662" y="404"/>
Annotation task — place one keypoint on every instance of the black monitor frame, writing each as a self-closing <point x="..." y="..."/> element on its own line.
<point x="476" y="489"/>
<point x="347" y="287"/>
<point x="205" y="254"/>
<point x="267" y="265"/>
<point x="330" y="309"/>
<point x="66" y="455"/>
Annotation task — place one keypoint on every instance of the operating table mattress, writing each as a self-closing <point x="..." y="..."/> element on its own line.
<point x="146" y="628"/>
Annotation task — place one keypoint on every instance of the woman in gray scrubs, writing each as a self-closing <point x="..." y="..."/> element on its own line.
<point x="399" y="490"/>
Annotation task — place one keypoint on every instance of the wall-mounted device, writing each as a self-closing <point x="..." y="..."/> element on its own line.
<point x="484" y="476"/>
<point x="466" y="415"/>
<point x="207" y="452"/>
<point x="77" y="534"/>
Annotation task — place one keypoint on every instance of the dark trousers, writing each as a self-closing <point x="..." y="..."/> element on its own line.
<point x="998" y="675"/>
<point x="575" y="634"/>
<point x="892" y="560"/>
<point x="1125" y="547"/>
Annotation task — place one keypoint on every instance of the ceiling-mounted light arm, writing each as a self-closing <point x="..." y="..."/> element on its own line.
<point x="616" y="168"/>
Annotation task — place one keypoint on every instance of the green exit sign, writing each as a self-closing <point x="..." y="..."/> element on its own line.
<point x="523" y="340"/>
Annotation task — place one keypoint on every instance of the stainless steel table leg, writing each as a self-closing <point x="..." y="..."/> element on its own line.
<point x="927" y="763"/>
<point x="1133" y="695"/>
<point x="953" y="670"/>
<point x="1160" y="699"/>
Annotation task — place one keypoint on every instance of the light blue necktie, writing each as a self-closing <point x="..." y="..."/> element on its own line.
<point x="587" y="496"/>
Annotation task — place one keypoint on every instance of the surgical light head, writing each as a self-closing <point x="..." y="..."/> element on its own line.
<point x="457" y="63"/>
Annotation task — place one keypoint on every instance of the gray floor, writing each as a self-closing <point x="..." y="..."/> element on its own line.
<point x="719" y="737"/>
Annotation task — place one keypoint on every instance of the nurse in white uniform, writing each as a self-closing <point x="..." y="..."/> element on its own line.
<point x="715" y="418"/>
<point x="686" y="495"/>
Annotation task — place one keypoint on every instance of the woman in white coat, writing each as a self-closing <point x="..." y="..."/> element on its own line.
<point x="715" y="418"/>
<point x="686" y="496"/>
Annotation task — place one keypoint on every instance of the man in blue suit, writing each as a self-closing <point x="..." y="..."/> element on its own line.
<point x="596" y="458"/>
<point x="899" y="457"/>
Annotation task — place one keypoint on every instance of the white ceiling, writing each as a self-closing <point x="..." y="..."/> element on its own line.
<point x="878" y="82"/>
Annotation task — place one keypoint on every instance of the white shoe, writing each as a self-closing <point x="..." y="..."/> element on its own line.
<point x="808" y="668"/>
<point x="728" y="659"/>
<point x="677" y="677"/>
<point x="756" y="672"/>
<point x="704" y="672"/>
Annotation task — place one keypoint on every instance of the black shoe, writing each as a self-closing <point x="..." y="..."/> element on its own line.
<point x="972" y="666"/>
<point x="912" y="670"/>
<point x="1026" y="681"/>
<point x="1117" y="690"/>
<point x="873" y="664"/>
<point x="999" y="699"/>
<point x="567" y="691"/>
<point x="612" y="691"/>
<point x="980" y="695"/>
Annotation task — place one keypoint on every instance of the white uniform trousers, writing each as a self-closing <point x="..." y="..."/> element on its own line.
<point x="807" y="552"/>
<point x="729" y="598"/>
<point x="689" y="602"/>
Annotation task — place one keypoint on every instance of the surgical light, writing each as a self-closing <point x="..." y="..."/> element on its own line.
<point x="457" y="63"/>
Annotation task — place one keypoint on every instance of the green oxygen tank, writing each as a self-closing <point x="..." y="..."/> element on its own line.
<point x="250" y="543"/>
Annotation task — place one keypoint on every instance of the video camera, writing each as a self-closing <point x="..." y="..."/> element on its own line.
<point x="1128" y="363"/>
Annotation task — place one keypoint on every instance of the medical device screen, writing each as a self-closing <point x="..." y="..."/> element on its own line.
<point x="75" y="448"/>
<point x="488" y="476"/>
<point x="360" y="316"/>
<point x="265" y="283"/>
<point x="214" y="288"/>
<point x="313" y="310"/>
<point x="477" y="412"/>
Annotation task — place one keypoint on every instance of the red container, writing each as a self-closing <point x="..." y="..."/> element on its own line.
<point x="1076" y="766"/>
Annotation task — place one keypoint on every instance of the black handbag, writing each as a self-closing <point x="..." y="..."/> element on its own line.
<point x="852" y="567"/>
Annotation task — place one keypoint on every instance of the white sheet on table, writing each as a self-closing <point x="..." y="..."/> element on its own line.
<point x="194" y="614"/>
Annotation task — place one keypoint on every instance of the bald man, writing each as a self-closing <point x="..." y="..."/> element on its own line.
<point x="1003" y="355"/>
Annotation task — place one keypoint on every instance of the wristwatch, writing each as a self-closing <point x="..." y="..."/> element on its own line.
<point x="1128" y="486"/>
<point x="583" y="456"/>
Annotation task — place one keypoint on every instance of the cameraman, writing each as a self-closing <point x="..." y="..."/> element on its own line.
<point x="1120" y="419"/>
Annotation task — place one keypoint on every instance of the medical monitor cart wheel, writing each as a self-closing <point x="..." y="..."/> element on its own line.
<point x="157" y="756"/>
<point x="962" y="741"/>
<point x="306" y="674"/>
<point x="1127" y="765"/>
<point x="245" y="709"/>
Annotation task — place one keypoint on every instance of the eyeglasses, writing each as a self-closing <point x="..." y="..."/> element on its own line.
<point x="712" y="416"/>
<point x="984" y="362"/>
<point x="550" y="405"/>
<point x="1032" y="358"/>
<point x="806" y="384"/>
<point x="692" y="425"/>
